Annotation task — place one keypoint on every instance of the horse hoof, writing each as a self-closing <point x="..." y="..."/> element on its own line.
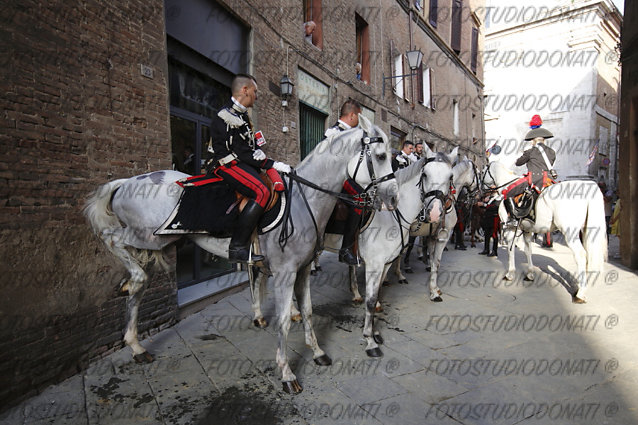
<point x="374" y="352"/>
<point x="144" y="357"/>
<point x="403" y="281"/>
<point x="357" y="300"/>
<point x="296" y="317"/>
<point x="386" y="283"/>
<point x="292" y="387"/>
<point x="577" y="300"/>
<point x="323" y="360"/>
<point x="437" y="299"/>
<point x="318" y="268"/>
<point x="428" y="269"/>
<point x="313" y="272"/>
<point x="410" y="271"/>
<point x="378" y="309"/>
<point x="378" y="338"/>
<point x="260" y="323"/>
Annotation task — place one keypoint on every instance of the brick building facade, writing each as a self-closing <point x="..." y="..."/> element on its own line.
<point x="93" y="92"/>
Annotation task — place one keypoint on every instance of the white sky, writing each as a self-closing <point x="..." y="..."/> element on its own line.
<point x="620" y="4"/>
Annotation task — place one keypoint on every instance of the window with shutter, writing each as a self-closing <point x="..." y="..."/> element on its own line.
<point x="433" y="13"/>
<point x="474" y="57"/>
<point x="398" y="70"/>
<point x="457" y="7"/>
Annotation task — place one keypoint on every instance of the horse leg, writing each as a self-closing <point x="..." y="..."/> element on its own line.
<point x="509" y="236"/>
<point x="135" y="286"/>
<point x="258" y="295"/>
<point x="373" y="282"/>
<point x="354" y="285"/>
<point x="529" y="275"/>
<point x="580" y="256"/>
<point x="302" y="292"/>
<point x="284" y="283"/>
<point x="397" y="270"/>
<point x="435" y="260"/>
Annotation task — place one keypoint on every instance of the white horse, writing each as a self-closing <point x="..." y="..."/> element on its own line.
<point x="466" y="175"/>
<point x="575" y="207"/>
<point x="126" y="225"/>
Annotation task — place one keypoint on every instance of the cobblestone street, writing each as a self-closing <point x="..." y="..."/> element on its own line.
<point x="493" y="352"/>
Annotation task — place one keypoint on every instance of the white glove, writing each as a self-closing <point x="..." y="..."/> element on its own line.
<point x="259" y="155"/>
<point x="281" y="167"/>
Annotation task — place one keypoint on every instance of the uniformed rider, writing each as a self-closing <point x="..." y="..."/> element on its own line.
<point x="539" y="158"/>
<point x="348" y="118"/>
<point x="237" y="158"/>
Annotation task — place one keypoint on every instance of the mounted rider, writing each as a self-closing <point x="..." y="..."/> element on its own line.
<point x="539" y="160"/>
<point x="236" y="157"/>
<point x="348" y="118"/>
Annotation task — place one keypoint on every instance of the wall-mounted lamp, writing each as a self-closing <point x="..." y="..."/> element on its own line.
<point x="286" y="89"/>
<point x="414" y="62"/>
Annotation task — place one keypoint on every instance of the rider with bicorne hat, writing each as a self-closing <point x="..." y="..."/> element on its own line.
<point x="237" y="159"/>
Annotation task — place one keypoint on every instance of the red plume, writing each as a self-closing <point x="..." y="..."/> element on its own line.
<point x="536" y="121"/>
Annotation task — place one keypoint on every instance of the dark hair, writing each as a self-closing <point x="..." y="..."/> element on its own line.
<point x="407" y="142"/>
<point x="350" y="106"/>
<point x="420" y="142"/>
<point x="240" y="81"/>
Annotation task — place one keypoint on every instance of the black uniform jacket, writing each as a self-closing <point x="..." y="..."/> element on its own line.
<point x="231" y="131"/>
<point x="535" y="162"/>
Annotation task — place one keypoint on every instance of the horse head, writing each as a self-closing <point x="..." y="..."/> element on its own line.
<point x="371" y="168"/>
<point x="436" y="178"/>
<point x="496" y="174"/>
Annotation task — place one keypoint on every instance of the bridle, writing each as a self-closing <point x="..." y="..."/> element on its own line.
<point x="487" y="172"/>
<point x="433" y="194"/>
<point x="366" y="199"/>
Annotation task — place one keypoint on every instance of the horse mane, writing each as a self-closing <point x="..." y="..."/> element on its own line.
<point x="325" y="165"/>
<point x="408" y="173"/>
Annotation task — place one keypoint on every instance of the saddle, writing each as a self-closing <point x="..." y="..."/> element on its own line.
<point x="208" y="205"/>
<point x="522" y="205"/>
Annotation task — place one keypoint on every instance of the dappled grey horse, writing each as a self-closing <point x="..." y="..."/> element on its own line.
<point x="126" y="225"/>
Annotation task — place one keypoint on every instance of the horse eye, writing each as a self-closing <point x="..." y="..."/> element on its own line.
<point x="381" y="157"/>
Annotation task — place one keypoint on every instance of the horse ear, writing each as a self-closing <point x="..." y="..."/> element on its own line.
<point x="454" y="155"/>
<point x="365" y="124"/>
<point x="428" y="151"/>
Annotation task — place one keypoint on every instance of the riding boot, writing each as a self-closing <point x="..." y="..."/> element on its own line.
<point x="346" y="253"/>
<point x="239" y="249"/>
<point x="486" y="250"/>
<point x="458" y="237"/>
<point x="494" y="248"/>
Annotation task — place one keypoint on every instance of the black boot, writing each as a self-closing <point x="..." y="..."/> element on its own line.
<point x="458" y="237"/>
<point x="346" y="253"/>
<point x="486" y="250"/>
<point x="494" y="248"/>
<point x="239" y="248"/>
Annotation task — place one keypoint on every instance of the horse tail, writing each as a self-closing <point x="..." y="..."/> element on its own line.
<point x="595" y="234"/>
<point x="103" y="221"/>
<point x="97" y="209"/>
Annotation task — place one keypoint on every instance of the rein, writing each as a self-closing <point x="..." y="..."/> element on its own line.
<point x="488" y="172"/>
<point x="364" y="200"/>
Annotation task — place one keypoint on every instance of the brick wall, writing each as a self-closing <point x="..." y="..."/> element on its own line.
<point x="76" y="113"/>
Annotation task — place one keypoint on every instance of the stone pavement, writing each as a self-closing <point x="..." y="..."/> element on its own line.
<point x="490" y="353"/>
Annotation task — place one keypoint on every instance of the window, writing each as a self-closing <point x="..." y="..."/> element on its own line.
<point x="433" y="13"/>
<point x="397" y="137"/>
<point x="312" y="12"/>
<point x="474" y="53"/>
<point x="456" y="117"/>
<point x="397" y="83"/>
<point x="457" y="9"/>
<point x="312" y="124"/>
<point x="424" y="94"/>
<point x="363" y="49"/>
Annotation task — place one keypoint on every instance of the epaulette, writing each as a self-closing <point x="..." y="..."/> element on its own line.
<point x="229" y="118"/>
